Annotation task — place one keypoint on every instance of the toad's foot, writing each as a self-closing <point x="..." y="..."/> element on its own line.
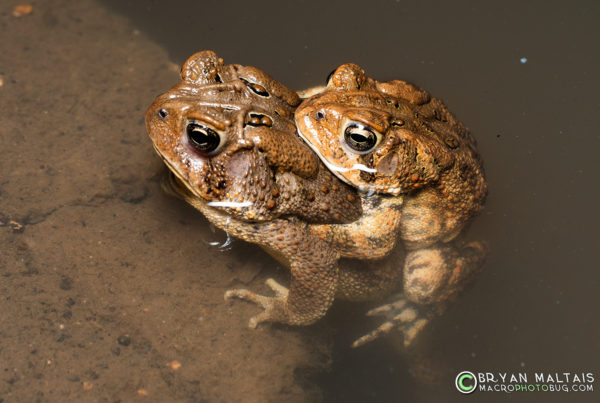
<point x="401" y="315"/>
<point x="274" y="307"/>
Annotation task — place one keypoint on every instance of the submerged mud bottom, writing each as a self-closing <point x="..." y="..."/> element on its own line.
<point x="110" y="292"/>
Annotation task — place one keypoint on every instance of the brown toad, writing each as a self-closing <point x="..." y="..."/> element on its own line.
<point x="421" y="179"/>
<point x="227" y="134"/>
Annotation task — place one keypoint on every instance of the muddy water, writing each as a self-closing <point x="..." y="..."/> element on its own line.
<point x="107" y="283"/>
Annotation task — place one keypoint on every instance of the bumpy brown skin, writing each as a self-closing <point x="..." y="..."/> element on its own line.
<point x="260" y="183"/>
<point x="423" y="154"/>
<point x="421" y="181"/>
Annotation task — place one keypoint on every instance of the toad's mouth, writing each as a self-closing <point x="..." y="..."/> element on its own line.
<point x="181" y="186"/>
<point x="336" y="169"/>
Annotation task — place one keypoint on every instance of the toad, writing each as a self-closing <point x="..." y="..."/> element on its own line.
<point x="421" y="180"/>
<point x="227" y="134"/>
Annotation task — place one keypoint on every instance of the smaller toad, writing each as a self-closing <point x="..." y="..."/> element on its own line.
<point x="421" y="179"/>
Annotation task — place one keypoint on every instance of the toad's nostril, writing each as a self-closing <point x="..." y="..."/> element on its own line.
<point x="258" y="119"/>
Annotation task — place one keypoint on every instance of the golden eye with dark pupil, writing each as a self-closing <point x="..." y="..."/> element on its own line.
<point x="202" y="138"/>
<point x="360" y="137"/>
<point x="256" y="88"/>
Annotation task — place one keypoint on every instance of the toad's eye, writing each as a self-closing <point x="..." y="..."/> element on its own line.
<point x="360" y="138"/>
<point x="256" y="88"/>
<point x="203" y="138"/>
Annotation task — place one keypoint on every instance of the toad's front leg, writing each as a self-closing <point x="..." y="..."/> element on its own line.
<point x="314" y="274"/>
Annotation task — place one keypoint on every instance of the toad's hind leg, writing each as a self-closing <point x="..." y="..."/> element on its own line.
<point x="364" y="280"/>
<point x="433" y="277"/>
<point x="436" y="275"/>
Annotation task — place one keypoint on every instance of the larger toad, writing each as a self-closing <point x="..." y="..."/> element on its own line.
<point x="420" y="175"/>
<point x="227" y="134"/>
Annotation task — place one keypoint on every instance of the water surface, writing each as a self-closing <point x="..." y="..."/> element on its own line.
<point x="110" y="279"/>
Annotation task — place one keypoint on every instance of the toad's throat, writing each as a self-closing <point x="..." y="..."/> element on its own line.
<point x="182" y="187"/>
